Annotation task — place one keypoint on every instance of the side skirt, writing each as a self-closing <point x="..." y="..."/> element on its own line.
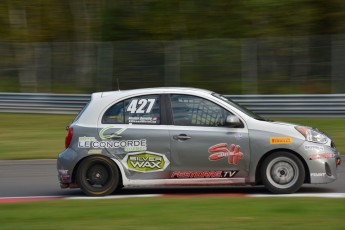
<point x="185" y="182"/>
<point x="177" y="182"/>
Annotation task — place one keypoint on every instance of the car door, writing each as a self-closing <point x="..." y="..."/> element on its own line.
<point x="202" y="144"/>
<point x="134" y="133"/>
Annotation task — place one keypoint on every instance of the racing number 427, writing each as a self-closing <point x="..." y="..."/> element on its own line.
<point x="145" y="106"/>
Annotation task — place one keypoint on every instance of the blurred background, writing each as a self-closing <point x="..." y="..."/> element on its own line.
<point x="235" y="47"/>
<point x="232" y="47"/>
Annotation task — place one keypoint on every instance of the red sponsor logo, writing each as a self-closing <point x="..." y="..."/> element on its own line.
<point x="188" y="174"/>
<point x="320" y="156"/>
<point x="203" y="174"/>
<point x="220" y="151"/>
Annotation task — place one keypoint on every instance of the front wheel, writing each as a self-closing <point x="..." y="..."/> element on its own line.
<point x="282" y="173"/>
<point x="98" y="176"/>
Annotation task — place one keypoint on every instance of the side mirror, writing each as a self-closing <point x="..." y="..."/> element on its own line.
<point x="233" y="121"/>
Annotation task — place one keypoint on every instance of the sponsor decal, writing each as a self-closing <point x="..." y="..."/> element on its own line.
<point x="141" y="106"/>
<point x="85" y="139"/>
<point x="314" y="147"/>
<point x="63" y="171"/>
<point x="321" y="156"/>
<point x="109" y="136"/>
<point x="145" y="120"/>
<point x="145" y="162"/>
<point x="238" y="136"/>
<point x="220" y="151"/>
<point x="318" y="174"/>
<point x="280" y="140"/>
<point x="202" y="174"/>
<point x="64" y="175"/>
<point x="127" y="145"/>
<point x="94" y="151"/>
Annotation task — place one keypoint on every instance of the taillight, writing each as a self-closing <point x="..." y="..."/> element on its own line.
<point x="68" y="139"/>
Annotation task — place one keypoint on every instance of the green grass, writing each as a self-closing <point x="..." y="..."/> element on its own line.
<point x="34" y="136"/>
<point x="177" y="213"/>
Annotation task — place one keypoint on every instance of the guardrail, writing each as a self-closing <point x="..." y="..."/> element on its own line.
<point x="302" y="105"/>
<point x="42" y="103"/>
<point x="299" y="105"/>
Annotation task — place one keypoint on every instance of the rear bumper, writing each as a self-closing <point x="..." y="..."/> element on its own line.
<point x="65" y="164"/>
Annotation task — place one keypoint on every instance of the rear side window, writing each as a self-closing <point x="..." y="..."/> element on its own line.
<point x="114" y="115"/>
<point x="136" y="110"/>
<point x="81" y="112"/>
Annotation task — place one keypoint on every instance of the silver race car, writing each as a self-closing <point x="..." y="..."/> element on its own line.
<point x="186" y="136"/>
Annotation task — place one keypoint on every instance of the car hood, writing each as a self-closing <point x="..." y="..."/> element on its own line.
<point x="283" y="123"/>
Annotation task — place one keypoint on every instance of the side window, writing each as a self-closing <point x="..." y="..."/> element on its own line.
<point x="114" y="115"/>
<point x="195" y="111"/>
<point x="143" y="110"/>
<point x="136" y="110"/>
<point x="81" y="112"/>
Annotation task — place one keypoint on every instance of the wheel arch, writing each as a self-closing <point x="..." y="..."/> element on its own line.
<point x="258" y="179"/>
<point x="76" y="168"/>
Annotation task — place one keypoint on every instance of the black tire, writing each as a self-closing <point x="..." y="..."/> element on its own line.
<point x="98" y="176"/>
<point x="282" y="173"/>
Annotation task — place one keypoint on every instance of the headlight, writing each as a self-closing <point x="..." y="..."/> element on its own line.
<point x="312" y="135"/>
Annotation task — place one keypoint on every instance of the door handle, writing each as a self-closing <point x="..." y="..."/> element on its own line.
<point x="181" y="137"/>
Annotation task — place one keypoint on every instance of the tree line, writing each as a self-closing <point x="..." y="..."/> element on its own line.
<point x="104" y="20"/>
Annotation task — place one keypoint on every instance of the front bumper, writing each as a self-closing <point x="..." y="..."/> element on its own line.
<point x="322" y="162"/>
<point x="338" y="160"/>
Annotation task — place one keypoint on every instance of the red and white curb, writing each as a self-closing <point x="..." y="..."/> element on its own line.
<point x="46" y="198"/>
<point x="28" y="199"/>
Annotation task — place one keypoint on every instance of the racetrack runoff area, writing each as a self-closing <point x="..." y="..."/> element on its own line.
<point x="47" y="198"/>
<point x="192" y="211"/>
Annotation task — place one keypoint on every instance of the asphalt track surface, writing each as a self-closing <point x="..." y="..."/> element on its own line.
<point x="39" y="178"/>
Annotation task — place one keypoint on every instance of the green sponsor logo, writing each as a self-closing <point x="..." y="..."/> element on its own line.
<point x="146" y="162"/>
<point x="109" y="136"/>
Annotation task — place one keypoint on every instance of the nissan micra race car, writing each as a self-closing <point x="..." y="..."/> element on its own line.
<point x="187" y="136"/>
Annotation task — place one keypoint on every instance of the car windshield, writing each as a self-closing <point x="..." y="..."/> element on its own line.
<point x="239" y="107"/>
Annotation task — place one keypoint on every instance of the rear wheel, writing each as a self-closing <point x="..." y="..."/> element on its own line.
<point x="98" y="176"/>
<point x="282" y="172"/>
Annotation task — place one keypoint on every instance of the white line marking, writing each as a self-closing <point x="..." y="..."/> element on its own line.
<point x="111" y="197"/>
<point x="23" y="198"/>
<point x="321" y="195"/>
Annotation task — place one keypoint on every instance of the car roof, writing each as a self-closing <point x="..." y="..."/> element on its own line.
<point x="151" y="91"/>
